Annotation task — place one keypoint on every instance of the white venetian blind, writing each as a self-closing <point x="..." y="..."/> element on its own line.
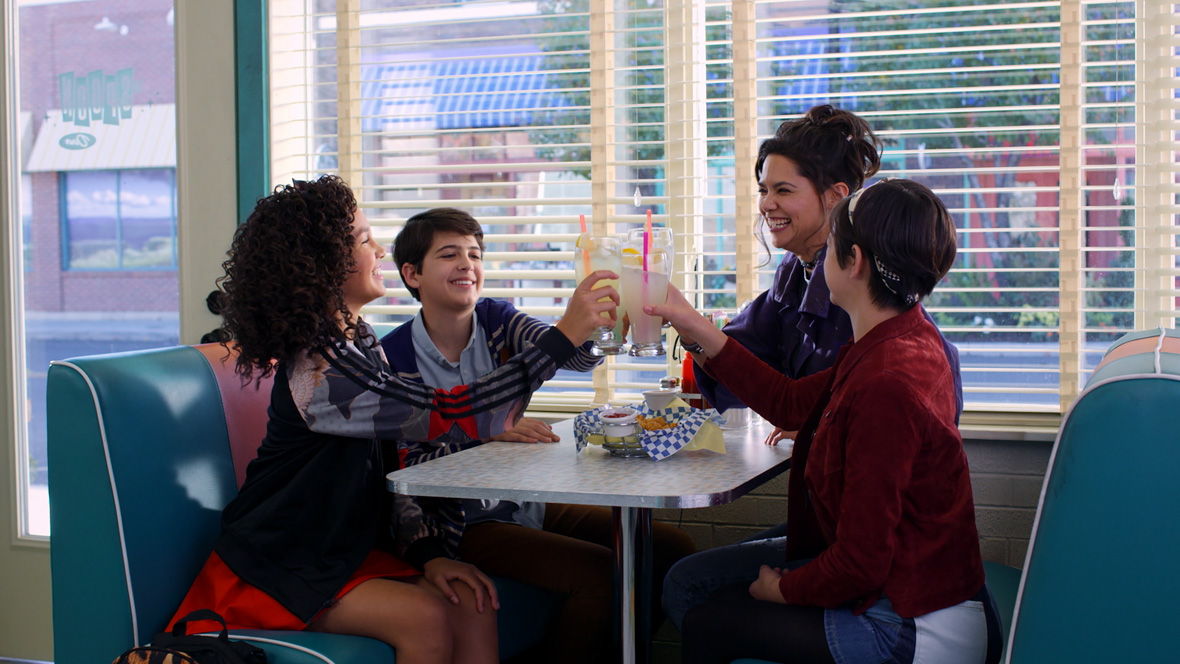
<point x="486" y="106"/>
<point x="1047" y="128"/>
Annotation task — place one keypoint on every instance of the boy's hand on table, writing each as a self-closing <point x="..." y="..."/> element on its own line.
<point x="442" y="571"/>
<point x="528" y="430"/>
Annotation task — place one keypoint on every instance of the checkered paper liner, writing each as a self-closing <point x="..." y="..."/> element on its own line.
<point x="659" y="444"/>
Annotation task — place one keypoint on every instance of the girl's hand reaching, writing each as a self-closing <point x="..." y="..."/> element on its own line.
<point x="691" y="325"/>
<point x="442" y="571"/>
<point x="585" y="309"/>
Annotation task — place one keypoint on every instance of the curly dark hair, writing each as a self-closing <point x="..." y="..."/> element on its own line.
<point x="284" y="276"/>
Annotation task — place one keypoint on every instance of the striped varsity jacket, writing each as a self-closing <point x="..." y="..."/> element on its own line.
<point x="315" y="502"/>
<point x="431" y="527"/>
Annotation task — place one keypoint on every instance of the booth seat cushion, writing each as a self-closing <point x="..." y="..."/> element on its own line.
<point x="1101" y="578"/>
<point x="316" y="647"/>
<point x="145" y="449"/>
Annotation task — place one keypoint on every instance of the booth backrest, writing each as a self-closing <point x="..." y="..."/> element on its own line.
<point x="1101" y="574"/>
<point x="141" y="463"/>
<point x="145" y="449"/>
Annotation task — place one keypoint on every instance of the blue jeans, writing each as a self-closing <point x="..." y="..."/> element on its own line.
<point x="879" y="634"/>
<point x="693" y="579"/>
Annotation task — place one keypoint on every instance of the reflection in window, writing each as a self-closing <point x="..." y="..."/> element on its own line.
<point x="26" y="220"/>
<point x="120" y="220"/>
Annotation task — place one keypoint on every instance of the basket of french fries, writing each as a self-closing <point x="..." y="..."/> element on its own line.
<point x="657" y="434"/>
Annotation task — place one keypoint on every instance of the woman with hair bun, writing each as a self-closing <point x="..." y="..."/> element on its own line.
<point x="810" y="165"/>
<point x="881" y="560"/>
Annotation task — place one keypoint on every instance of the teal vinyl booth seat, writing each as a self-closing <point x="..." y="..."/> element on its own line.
<point x="144" y="450"/>
<point x="1102" y="572"/>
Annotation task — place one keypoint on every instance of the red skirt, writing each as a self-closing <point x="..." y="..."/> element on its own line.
<point x="246" y="607"/>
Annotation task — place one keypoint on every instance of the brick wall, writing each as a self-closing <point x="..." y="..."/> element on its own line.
<point x="1006" y="479"/>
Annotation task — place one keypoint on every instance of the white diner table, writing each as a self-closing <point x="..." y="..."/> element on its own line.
<point x="556" y="473"/>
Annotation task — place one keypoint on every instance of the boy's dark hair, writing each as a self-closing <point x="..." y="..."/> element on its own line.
<point x="285" y="272"/>
<point x="414" y="240"/>
<point x="905" y="231"/>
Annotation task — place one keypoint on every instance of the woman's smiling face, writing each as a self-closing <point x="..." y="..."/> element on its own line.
<point x="794" y="211"/>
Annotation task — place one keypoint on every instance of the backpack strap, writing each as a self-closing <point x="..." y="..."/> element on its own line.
<point x="201" y="614"/>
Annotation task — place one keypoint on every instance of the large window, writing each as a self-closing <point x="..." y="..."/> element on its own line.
<point x="123" y="220"/>
<point x="97" y="203"/>
<point x="1048" y="129"/>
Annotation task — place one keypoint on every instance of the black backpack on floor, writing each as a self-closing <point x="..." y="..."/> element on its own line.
<point x="176" y="647"/>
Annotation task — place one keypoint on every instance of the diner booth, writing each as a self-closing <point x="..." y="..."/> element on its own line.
<point x="146" y="447"/>
<point x="617" y="112"/>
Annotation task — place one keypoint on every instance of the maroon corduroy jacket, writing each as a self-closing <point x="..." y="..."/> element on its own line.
<point x="888" y="493"/>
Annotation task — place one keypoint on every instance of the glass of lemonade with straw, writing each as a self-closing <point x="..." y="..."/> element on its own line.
<point x="601" y="252"/>
<point x="644" y="280"/>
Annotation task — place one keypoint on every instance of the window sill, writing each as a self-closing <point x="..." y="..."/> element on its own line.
<point x="975" y="426"/>
<point x="1030" y="427"/>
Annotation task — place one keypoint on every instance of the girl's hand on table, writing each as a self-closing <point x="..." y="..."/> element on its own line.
<point x="442" y="571"/>
<point x="766" y="587"/>
<point x="778" y="434"/>
<point x="528" y="430"/>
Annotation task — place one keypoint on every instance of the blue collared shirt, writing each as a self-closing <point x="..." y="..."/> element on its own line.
<point x="474" y="362"/>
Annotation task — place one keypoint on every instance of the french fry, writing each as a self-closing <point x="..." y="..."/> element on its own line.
<point x="655" y="423"/>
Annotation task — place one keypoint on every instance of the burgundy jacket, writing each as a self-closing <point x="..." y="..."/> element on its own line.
<point x="887" y="505"/>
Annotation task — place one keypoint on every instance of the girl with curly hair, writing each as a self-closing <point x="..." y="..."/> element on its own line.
<point x="307" y="542"/>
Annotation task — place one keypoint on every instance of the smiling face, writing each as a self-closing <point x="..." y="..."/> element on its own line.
<point x="366" y="283"/>
<point x="794" y="211"/>
<point x="452" y="273"/>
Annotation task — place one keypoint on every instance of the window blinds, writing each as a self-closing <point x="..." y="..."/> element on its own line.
<point x="1047" y="128"/>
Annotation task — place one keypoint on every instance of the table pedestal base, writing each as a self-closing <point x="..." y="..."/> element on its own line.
<point x="633" y="570"/>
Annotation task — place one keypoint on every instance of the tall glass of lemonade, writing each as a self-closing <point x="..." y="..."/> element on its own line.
<point x="644" y="281"/>
<point x="601" y="252"/>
